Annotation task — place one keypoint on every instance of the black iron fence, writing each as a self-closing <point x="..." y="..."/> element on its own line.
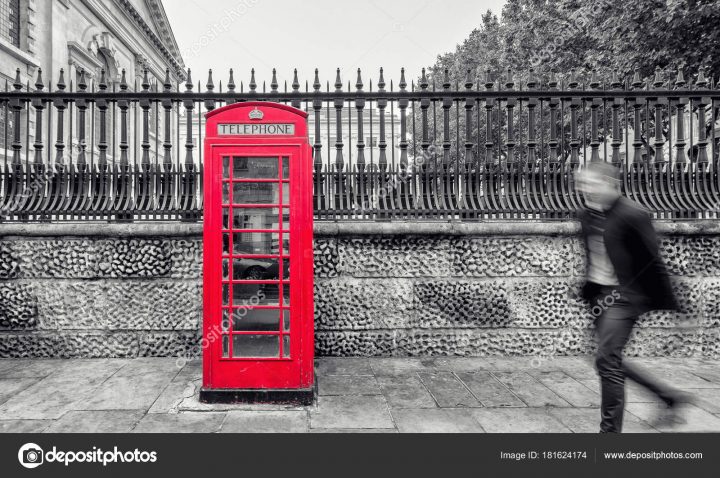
<point x="479" y="149"/>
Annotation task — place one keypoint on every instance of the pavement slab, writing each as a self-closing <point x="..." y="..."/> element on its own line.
<point x="489" y="391"/>
<point x="518" y="420"/>
<point x="587" y="420"/>
<point x="706" y="398"/>
<point x="343" y="366"/>
<point x="529" y="390"/>
<point x="351" y="412"/>
<point x="265" y="422"/>
<point x="348" y="385"/>
<point x="405" y="391"/>
<point x="24" y="368"/>
<point x="96" y="421"/>
<point x="24" y="426"/>
<point x="441" y="420"/>
<point x="448" y="391"/>
<point x="174" y="394"/>
<point x="572" y="391"/>
<point x="695" y="419"/>
<point x="11" y="386"/>
<point x="185" y="422"/>
<point x="127" y="392"/>
<point x="401" y="366"/>
<point x="51" y="397"/>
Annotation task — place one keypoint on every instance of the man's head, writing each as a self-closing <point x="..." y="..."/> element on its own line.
<point x="600" y="182"/>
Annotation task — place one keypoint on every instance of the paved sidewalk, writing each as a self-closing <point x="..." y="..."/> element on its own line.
<point x="354" y="394"/>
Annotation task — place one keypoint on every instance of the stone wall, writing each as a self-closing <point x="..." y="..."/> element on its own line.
<point x="100" y="291"/>
<point x="496" y="289"/>
<point x="381" y="289"/>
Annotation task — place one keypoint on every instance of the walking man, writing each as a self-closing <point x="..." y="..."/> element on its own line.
<point x="625" y="278"/>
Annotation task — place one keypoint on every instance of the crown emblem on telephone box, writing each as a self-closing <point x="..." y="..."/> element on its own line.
<point x="256" y="114"/>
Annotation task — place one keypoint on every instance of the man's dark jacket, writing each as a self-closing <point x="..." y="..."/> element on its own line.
<point x="632" y="247"/>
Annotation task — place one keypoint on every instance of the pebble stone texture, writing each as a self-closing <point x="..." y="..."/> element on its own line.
<point x="375" y="295"/>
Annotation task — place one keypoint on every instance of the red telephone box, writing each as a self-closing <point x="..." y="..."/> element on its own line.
<point x="258" y="342"/>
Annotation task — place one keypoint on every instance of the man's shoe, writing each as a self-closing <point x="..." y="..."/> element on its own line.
<point x="671" y="415"/>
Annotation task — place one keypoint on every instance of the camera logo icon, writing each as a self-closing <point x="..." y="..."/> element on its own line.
<point x="30" y="455"/>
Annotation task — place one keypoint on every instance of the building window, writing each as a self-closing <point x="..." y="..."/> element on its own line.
<point x="10" y="21"/>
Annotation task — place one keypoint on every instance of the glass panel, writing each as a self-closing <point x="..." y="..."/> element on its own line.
<point x="286" y="244"/>
<point x="225" y="269"/>
<point x="286" y="294"/>
<point x="249" y="295"/>
<point x="225" y="193"/>
<point x="226" y="243"/>
<point x="225" y="320"/>
<point x="286" y="218"/>
<point x="266" y="243"/>
<point x="225" y="346"/>
<point x="256" y="218"/>
<point x="286" y="346"/>
<point x="225" y="294"/>
<point x="226" y="167"/>
<point x="254" y="320"/>
<point x="256" y="193"/>
<point x="286" y="319"/>
<point x="255" y="168"/>
<point x="286" y="168"/>
<point x="226" y="218"/>
<point x="256" y="269"/>
<point x="286" y="193"/>
<point x="256" y="346"/>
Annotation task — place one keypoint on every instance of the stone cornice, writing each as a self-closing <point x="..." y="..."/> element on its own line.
<point x="174" y="229"/>
<point x="76" y="53"/>
<point x="174" y="58"/>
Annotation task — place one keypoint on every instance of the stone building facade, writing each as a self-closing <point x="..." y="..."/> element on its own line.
<point x="85" y="35"/>
<point x="394" y="289"/>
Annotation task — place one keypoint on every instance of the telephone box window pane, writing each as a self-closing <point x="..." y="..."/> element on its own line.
<point x="257" y="269"/>
<point x="256" y="218"/>
<point x="265" y="243"/>
<point x="226" y="167"/>
<point x="225" y="193"/>
<point x="225" y="346"/>
<point x="225" y="295"/>
<point x="255" y="168"/>
<point x="255" y="320"/>
<point x="286" y="193"/>
<point x="286" y="346"/>
<point x="226" y="269"/>
<point x="286" y="319"/>
<point x="249" y="295"/>
<point x="286" y="168"/>
<point x="286" y="244"/>
<point x="256" y="193"/>
<point x="256" y="346"/>
<point x="226" y="244"/>
<point x="286" y="294"/>
<point x="225" y="320"/>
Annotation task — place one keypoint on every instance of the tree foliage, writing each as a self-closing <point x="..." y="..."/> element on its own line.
<point x="564" y="37"/>
<point x="608" y="36"/>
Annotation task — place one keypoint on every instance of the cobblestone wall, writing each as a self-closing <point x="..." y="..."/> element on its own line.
<point x="470" y="293"/>
<point x="495" y="295"/>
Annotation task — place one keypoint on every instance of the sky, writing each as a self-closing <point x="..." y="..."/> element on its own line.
<point x="323" y="34"/>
